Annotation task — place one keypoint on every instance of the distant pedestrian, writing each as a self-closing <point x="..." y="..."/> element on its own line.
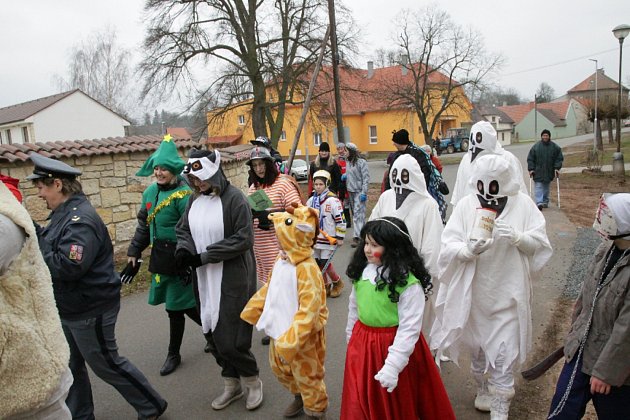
<point x="342" y="158"/>
<point x="358" y="183"/>
<point x="597" y="349"/>
<point x="544" y="162"/>
<point x="389" y="372"/>
<point x="325" y="162"/>
<point x="78" y="251"/>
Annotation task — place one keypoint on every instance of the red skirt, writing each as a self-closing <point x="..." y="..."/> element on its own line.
<point x="420" y="393"/>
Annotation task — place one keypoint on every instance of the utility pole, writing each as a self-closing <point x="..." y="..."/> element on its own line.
<point x="335" y="69"/>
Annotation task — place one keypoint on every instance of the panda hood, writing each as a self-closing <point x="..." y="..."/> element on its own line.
<point x="206" y="166"/>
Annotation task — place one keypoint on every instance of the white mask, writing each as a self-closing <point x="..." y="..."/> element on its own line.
<point x="612" y="219"/>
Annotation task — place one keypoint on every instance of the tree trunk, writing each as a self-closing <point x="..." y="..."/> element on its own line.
<point x="258" y="107"/>
<point x="611" y="138"/>
<point x="598" y="138"/>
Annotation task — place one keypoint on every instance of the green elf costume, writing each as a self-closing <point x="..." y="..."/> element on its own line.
<point x="163" y="203"/>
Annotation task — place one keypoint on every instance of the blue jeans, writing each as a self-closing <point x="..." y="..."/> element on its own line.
<point x="541" y="193"/>
<point x="92" y="340"/>
<point x="613" y="406"/>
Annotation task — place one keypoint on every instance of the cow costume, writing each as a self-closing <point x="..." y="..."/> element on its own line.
<point x="498" y="330"/>
<point x="215" y="236"/>
<point x="483" y="141"/>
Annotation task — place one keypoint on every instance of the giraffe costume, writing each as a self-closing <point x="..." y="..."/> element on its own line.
<point x="291" y="309"/>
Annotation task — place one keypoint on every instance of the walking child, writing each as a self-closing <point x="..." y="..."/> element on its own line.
<point x="291" y="309"/>
<point x="332" y="224"/>
<point x="389" y="373"/>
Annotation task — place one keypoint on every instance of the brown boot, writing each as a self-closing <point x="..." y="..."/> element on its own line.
<point x="295" y="408"/>
<point x="337" y="287"/>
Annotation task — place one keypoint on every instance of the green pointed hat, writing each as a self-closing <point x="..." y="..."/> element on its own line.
<point x="166" y="155"/>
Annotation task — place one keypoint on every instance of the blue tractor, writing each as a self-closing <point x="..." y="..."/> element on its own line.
<point x="456" y="140"/>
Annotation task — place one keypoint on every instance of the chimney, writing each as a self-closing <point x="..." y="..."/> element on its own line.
<point x="403" y="64"/>
<point x="370" y="69"/>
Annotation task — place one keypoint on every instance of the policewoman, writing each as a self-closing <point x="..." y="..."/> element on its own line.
<point x="163" y="204"/>
<point x="78" y="252"/>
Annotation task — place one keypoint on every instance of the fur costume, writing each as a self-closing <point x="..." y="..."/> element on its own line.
<point x="34" y="352"/>
<point x="291" y="309"/>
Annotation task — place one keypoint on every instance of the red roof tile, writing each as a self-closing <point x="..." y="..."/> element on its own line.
<point x="79" y="148"/>
<point x="228" y="140"/>
<point x="178" y="132"/>
<point x="518" y="112"/>
<point x="603" y="82"/>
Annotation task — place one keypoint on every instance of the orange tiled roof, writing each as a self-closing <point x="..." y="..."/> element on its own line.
<point x="603" y="82"/>
<point x="225" y="140"/>
<point x="178" y="132"/>
<point x="80" y="148"/>
<point x="359" y="94"/>
<point x="518" y="112"/>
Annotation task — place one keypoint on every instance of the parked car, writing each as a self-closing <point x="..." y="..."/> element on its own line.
<point x="299" y="169"/>
<point x="456" y="140"/>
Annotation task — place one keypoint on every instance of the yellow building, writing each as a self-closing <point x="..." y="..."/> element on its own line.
<point x="369" y="118"/>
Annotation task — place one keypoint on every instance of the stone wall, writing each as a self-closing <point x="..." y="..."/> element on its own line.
<point x="110" y="183"/>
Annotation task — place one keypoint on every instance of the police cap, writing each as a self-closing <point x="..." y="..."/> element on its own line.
<point x="50" y="168"/>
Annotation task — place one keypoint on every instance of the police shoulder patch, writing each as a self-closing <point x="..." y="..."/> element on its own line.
<point x="76" y="252"/>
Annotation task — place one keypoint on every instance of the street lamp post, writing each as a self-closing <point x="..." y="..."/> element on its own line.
<point x="595" y="126"/>
<point x="620" y="32"/>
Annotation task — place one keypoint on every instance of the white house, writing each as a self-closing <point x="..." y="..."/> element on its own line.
<point x="71" y="115"/>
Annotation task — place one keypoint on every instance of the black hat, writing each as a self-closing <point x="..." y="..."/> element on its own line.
<point x="51" y="168"/>
<point x="401" y="137"/>
<point x="545" y="131"/>
<point x="324" y="147"/>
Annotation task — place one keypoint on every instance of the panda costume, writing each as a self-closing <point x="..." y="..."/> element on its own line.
<point x="484" y="301"/>
<point x="483" y="141"/>
<point x="215" y="236"/>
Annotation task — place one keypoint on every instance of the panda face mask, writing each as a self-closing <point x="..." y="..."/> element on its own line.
<point x="202" y="168"/>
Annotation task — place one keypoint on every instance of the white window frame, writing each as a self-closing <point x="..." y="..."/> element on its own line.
<point x="1" y="141"/>
<point x="317" y="139"/>
<point x="373" y="135"/>
<point x="25" y="137"/>
<point x="283" y="136"/>
<point x="241" y="119"/>
<point x="8" y="133"/>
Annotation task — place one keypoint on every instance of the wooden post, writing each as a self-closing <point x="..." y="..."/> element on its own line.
<point x="307" y="101"/>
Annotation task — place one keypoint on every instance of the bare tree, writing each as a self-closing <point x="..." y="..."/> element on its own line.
<point x="255" y="47"/>
<point x="496" y="96"/>
<point x="442" y="60"/>
<point x="100" y="67"/>
<point x="545" y="93"/>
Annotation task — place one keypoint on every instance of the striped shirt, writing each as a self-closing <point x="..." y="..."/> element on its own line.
<point x="281" y="193"/>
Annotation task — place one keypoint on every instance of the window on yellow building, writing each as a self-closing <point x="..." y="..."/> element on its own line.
<point x="317" y="138"/>
<point x="283" y="136"/>
<point x="373" y="138"/>
<point x="241" y="120"/>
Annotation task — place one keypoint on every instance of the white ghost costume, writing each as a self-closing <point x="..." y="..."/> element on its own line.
<point x="484" y="302"/>
<point x="483" y="141"/>
<point x="409" y="200"/>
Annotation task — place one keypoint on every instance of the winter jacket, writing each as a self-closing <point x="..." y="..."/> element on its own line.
<point x="544" y="159"/>
<point x="34" y="352"/>
<point x="78" y="252"/>
<point x="357" y="176"/>
<point x="608" y="341"/>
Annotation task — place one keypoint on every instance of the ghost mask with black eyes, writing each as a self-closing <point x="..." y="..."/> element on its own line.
<point x="495" y="181"/>
<point x="483" y="136"/>
<point x="205" y="165"/>
<point x="406" y="177"/>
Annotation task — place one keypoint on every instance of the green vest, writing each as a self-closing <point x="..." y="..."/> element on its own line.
<point x="374" y="306"/>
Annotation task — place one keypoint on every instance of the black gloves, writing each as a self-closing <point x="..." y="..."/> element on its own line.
<point x="186" y="275"/>
<point x="183" y="259"/>
<point x="129" y="272"/>
<point x="263" y="221"/>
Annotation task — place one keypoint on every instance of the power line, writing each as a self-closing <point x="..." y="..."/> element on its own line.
<point x="561" y="62"/>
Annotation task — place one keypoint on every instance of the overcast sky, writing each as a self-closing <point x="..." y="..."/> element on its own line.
<point x="542" y="41"/>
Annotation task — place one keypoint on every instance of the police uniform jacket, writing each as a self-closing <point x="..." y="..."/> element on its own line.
<point x="78" y="251"/>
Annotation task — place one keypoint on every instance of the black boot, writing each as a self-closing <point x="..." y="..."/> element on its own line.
<point x="346" y="213"/>
<point x="209" y="342"/>
<point x="170" y="364"/>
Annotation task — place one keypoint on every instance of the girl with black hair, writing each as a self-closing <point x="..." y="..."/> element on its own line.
<point x="389" y="372"/>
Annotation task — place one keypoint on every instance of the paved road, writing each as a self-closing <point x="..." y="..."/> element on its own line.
<point x="143" y="336"/>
